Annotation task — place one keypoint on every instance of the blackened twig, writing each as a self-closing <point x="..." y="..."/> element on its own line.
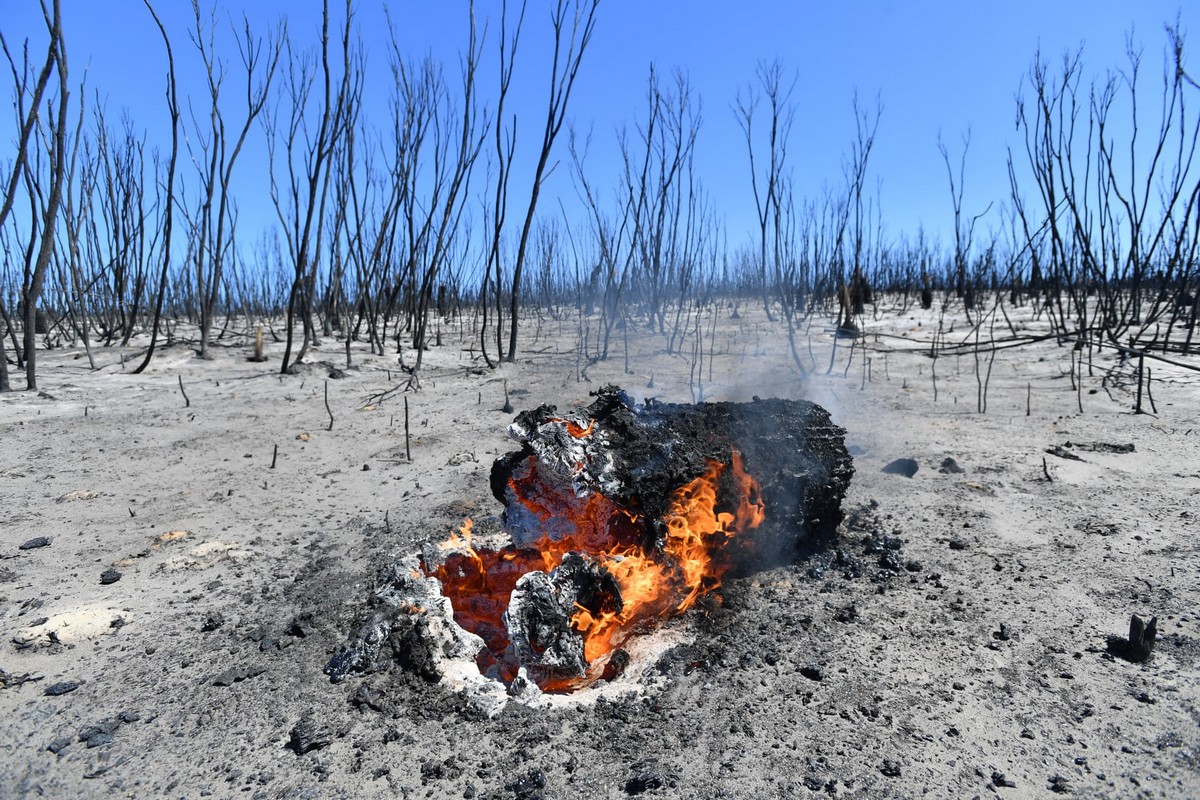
<point x="1149" y="395"/>
<point x="407" y="442"/>
<point x="327" y="409"/>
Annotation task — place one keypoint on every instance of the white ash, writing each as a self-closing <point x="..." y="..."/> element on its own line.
<point x="586" y="461"/>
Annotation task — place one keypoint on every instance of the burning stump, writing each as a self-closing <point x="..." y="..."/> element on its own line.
<point x="617" y="516"/>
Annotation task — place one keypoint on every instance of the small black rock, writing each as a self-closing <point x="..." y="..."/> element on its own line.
<point x="109" y="575"/>
<point x="301" y="625"/>
<point x="890" y="768"/>
<point x="1059" y="784"/>
<point x="528" y="785"/>
<point x="950" y="467"/>
<point x="368" y="697"/>
<point x="999" y="780"/>
<point x="958" y="544"/>
<point x="59" y="744"/>
<point x="237" y="675"/>
<point x="36" y="542"/>
<point x="643" y="780"/>
<point x="891" y="562"/>
<point x="212" y="622"/>
<point x="98" y="739"/>
<point x="60" y="688"/>
<point x="104" y="726"/>
<point x="846" y="614"/>
<point x="902" y="466"/>
<point x="812" y="672"/>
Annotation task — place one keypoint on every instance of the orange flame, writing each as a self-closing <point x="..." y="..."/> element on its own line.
<point x="655" y="583"/>
<point x="574" y="428"/>
<point x="690" y="564"/>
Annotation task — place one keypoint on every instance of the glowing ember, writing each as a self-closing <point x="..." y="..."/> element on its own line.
<point x="639" y="580"/>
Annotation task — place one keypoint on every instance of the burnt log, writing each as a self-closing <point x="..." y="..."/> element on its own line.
<point x="617" y="515"/>
<point x="639" y="455"/>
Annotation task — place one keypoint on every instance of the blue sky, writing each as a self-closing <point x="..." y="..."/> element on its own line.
<point x="935" y="66"/>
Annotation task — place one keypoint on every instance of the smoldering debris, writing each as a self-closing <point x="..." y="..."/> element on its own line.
<point x="616" y="517"/>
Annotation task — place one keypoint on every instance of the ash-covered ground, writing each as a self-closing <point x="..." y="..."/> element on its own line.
<point x="175" y="576"/>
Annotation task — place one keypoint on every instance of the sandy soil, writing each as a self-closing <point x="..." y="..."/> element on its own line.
<point x="169" y="638"/>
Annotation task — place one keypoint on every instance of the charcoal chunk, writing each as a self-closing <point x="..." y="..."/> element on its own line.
<point x="105" y="727"/>
<point x="647" y="775"/>
<point x="369" y="697"/>
<point x="950" y="467"/>
<point x="528" y="786"/>
<point x="1001" y="781"/>
<point x="1063" y="453"/>
<point x="213" y="621"/>
<point x="60" y="688"/>
<point x="237" y="675"/>
<point x="1140" y="642"/>
<point x="56" y="746"/>
<point x="902" y="466"/>
<point x="308" y="735"/>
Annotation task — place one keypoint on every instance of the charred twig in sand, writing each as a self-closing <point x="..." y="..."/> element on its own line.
<point x="274" y="456"/>
<point x="407" y="439"/>
<point x="327" y="409"/>
<point x="186" y="402"/>
<point x="1046" y="470"/>
<point x="1141" y="370"/>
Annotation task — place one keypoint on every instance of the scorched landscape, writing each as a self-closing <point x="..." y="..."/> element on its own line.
<point x="353" y="445"/>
